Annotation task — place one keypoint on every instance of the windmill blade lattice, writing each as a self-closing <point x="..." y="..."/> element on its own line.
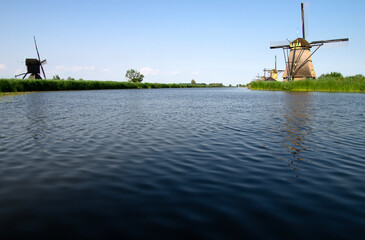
<point x="279" y="44"/>
<point x="341" y="42"/>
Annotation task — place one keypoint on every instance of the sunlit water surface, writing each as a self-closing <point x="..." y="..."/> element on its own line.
<point x="182" y="163"/>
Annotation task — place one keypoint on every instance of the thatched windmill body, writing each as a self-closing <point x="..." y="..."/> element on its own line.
<point x="34" y="66"/>
<point x="298" y="55"/>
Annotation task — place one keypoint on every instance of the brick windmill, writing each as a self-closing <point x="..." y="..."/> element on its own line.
<point x="297" y="54"/>
<point x="34" y="65"/>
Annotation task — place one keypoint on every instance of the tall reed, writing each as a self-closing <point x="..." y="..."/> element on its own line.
<point x="323" y="84"/>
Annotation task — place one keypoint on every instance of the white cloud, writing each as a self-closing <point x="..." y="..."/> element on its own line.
<point x="2" y="67"/>
<point x="90" y="68"/>
<point x="75" y="68"/>
<point x="19" y="71"/>
<point x="195" y="73"/>
<point x="59" y="67"/>
<point x="149" y="71"/>
<point x="175" y="73"/>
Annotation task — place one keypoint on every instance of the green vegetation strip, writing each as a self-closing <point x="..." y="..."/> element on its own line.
<point x="9" y="94"/>
<point x="28" y="85"/>
<point x="324" y="83"/>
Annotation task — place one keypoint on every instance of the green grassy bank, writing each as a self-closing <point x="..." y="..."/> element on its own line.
<point x="325" y="83"/>
<point x="28" y="85"/>
<point x="9" y="94"/>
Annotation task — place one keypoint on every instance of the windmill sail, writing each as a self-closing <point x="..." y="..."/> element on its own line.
<point x="332" y="42"/>
<point x="304" y="8"/>
<point x="279" y="44"/>
<point x="39" y="59"/>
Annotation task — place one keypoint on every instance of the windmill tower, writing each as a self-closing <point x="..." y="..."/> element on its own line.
<point x="34" y="66"/>
<point x="298" y="55"/>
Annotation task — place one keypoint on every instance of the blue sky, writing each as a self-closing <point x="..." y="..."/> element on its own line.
<point x="172" y="41"/>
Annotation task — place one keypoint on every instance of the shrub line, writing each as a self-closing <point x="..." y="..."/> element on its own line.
<point x="36" y="85"/>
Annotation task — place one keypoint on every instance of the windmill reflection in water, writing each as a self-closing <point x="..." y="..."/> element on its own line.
<point x="297" y="126"/>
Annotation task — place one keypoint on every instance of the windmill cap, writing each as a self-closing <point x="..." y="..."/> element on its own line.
<point x="31" y="61"/>
<point x="300" y="43"/>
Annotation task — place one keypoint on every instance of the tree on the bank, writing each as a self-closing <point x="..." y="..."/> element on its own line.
<point x="331" y="75"/>
<point x="193" y="82"/>
<point x="134" y="76"/>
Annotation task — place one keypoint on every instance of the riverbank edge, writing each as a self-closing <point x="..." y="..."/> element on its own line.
<point x="39" y="85"/>
<point x="306" y="90"/>
<point x="353" y="84"/>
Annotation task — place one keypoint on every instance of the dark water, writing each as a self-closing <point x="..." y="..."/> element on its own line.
<point x="182" y="163"/>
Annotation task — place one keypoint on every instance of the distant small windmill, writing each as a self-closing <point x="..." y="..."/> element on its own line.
<point x="273" y="73"/>
<point x="298" y="61"/>
<point x="34" y="66"/>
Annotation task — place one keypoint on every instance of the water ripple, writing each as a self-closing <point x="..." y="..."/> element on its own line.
<point x="188" y="163"/>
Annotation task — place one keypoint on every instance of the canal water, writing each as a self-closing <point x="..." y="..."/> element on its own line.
<point x="225" y="163"/>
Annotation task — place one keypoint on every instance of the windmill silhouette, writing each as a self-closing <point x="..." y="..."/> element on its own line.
<point x="297" y="54"/>
<point x="34" y="65"/>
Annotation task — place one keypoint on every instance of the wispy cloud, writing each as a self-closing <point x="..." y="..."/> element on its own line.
<point x="75" y="68"/>
<point x="2" y="67"/>
<point x="174" y="73"/>
<point x="61" y="67"/>
<point x="19" y="71"/>
<point x="149" y="71"/>
<point x="90" y="68"/>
